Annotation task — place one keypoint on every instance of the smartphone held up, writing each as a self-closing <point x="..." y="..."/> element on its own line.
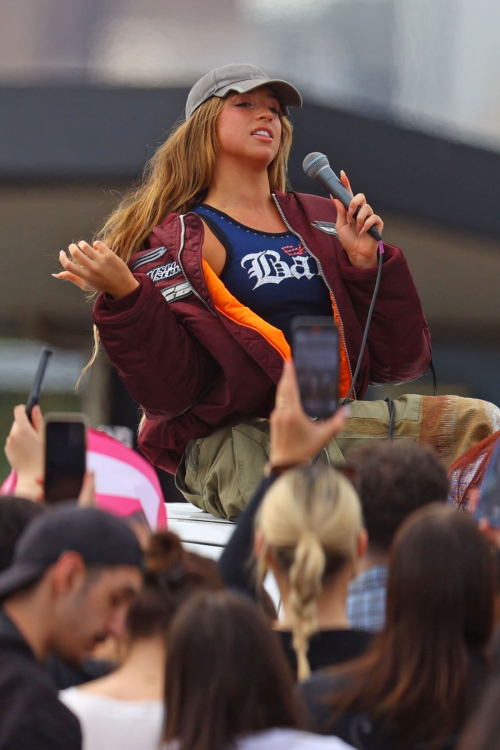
<point x="315" y="349"/>
<point x="65" y="456"/>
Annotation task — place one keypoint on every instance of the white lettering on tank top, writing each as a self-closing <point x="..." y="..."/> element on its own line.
<point x="268" y="267"/>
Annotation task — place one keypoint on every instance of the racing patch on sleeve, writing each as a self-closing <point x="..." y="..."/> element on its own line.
<point x="177" y="291"/>
<point x="150" y="257"/>
<point x="161" y="273"/>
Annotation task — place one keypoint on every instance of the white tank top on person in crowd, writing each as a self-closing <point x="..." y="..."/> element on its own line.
<point x="111" y="723"/>
<point x="290" y="739"/>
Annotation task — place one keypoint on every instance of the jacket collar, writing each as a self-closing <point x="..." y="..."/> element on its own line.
<point x="10" y="634"/>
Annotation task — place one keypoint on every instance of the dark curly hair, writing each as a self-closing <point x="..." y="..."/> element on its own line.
<point x="393" y="480"/>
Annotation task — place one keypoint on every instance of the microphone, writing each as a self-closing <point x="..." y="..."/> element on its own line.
<point x="316" y="165"/>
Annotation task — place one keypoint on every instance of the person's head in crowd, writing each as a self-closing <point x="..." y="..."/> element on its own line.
<point x="165" y="552"/>
<point x="393" y="480"/>
<point x="226" y="674"/>
<point x="74" y="575"/>
<point x="310" y="535"/>
<point x="15" y="515"/>
<point x="429" y="663"/>
<point x="172" y="575"/>
<point x="483" y="731"/>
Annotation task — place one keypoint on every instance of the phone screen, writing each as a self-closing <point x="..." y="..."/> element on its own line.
<point x="65" y="459"/>
<point x="488" y="505"/>
<point x="316" y="358"/>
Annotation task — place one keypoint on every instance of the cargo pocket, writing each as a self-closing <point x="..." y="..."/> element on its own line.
<point x="251" y="453"/>
<point x="220" y="472"/>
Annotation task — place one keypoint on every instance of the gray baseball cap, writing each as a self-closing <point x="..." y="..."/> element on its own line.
<point x="100" y="538"/>
<point x="240" y="78"/>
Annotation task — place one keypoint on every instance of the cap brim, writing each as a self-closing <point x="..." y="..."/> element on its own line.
<point x="18" y="576"/>
<point x="286" y="93"/>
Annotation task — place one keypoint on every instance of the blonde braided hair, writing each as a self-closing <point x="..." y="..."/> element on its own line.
<point x="310" y="519"/>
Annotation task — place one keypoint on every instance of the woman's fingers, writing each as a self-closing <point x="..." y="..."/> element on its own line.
<point x="37" y="420"/>
<point x="372" y="221"/>
<point x="77" y="269"/>
<point x="345" y="181"/>
<point x="365" y="218"/>
<point x="97" y="269"/>
<point x="76" y="280"/>
<point x="79" y="256"/>
<point x="341" y="214"/>
<point x="287" y="392"/>
<point x="336" y="424"/>
<point x="363" y="214"/>
<point x="358" y="201"/>
<point x="292" y="385"/>
<point x="86" y="498"/>
<point x="101" y="248"/>
<point x="21" y="417"/>
<point x="87" y="249"/>
<point x="68" y="264"/>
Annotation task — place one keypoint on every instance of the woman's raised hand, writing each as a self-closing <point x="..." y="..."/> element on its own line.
<point x="295" y="437"/>
<point x="360" y="246"/>
<point x="24" y="449"/>
<point x="96" y="268"/>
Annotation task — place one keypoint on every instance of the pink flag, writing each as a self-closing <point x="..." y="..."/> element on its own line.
<point x="125" y="483"/>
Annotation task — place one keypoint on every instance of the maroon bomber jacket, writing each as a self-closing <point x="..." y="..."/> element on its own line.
<point x="192" y="368"/>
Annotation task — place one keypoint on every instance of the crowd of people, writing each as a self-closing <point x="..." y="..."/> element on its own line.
<point x="112" y="635"/>
<point x="386" y="635"/>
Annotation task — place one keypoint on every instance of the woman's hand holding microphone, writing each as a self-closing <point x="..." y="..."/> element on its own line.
<point x="353" y="230"/>
<point x="96" y="268"/>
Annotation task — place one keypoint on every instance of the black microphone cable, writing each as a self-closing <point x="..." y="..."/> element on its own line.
<point x="316" y="165"/>
<point x="368" y="319"/>
<point x="362" y="349"/>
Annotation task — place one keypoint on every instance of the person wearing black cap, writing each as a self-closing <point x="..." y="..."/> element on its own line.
<point x="74" y="575"/>
<point x="203" y="267"/>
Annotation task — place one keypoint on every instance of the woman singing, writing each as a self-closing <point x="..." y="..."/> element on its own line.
<point x="202" y="267"/>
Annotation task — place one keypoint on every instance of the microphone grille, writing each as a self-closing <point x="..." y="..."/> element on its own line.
<point x="314" y="162"/>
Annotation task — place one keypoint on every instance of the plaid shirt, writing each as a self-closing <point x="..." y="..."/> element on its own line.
<point x="457" y="487"/>
<point x="366" y="599"/>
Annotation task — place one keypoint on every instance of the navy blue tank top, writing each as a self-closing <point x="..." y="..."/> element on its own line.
<point x="271" y="273"/>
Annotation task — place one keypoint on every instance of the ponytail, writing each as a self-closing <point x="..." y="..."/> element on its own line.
<point x="310" y="520"/>
<point x="305" y="579"/>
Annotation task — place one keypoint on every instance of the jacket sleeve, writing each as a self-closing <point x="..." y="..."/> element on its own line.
<point x="399" y="341"/>
<point x="161" y="365"/>
<point x="233" y="564"/>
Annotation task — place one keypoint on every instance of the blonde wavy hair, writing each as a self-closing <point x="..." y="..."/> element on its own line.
<point x="310" y="520"/>
<point x="176" y="179"/>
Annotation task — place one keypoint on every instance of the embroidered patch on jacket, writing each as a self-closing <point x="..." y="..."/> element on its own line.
<point x="178" y="291"/>
<point x="164" y="272"/>
<point x="328" y="227"/>
<point x="150" y="257"/>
